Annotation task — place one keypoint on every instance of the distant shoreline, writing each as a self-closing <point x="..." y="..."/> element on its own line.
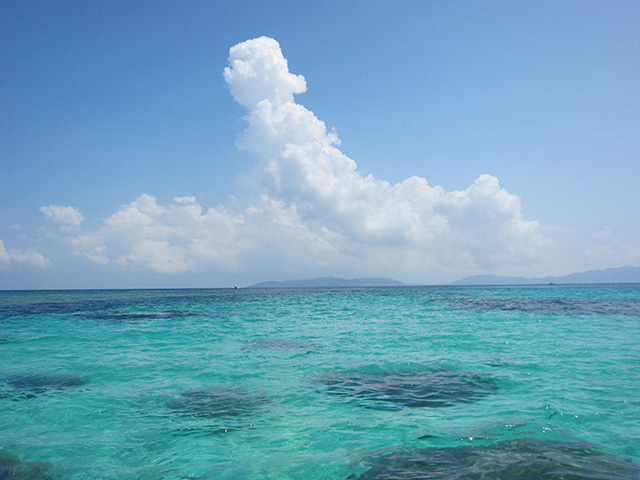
<point x="620" y="275"/>
<point x="252" y="287"/>
<point x="611" y="276"/>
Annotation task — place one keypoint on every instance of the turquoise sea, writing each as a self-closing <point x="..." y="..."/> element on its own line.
<point x="350" y="383"/>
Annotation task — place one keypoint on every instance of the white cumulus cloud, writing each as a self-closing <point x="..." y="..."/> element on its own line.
<point x="178" y="238"/>
<point x="258" y="71"/>
<point x="308" y="206"/>
<point x="65" y="216"/>
<point x="28" y="257"/>
<point x="302" y="167"/>
<point x="5" y="259"/>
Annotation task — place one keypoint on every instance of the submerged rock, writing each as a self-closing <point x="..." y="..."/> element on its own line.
<point x="278" y="344"/>
<point x="216" y="402"/>
<point x="393" y="389"/>
<point x="549" y="306"/>
<point x="279" y="347"/>
<point x="525" y="459"/>
<point x="12" y="468"/>
<point x="32" y="385"/>
<point x="126" y="316"/>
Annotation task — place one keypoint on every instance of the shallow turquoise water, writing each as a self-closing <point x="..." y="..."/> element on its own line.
<point x="313" y="383"/>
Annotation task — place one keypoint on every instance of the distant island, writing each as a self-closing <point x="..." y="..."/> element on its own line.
<point x="323" y="282"/>
<point x="608" y="275"/>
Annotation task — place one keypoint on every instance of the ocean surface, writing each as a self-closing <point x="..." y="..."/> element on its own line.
<point x="348" y="383"/>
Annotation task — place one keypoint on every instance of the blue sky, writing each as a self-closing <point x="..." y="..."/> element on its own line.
<point x="516" y="124"/>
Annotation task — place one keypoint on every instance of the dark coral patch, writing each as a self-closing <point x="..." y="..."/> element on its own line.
<point x="32" y="385"/>
<point x="525" y="459"/>
<point x="127" y="316"/>
<point x="216" y="402"/>
<point x="278" y="344"/>
<point x="396" y="388"/>
<point x="12" y="468"/>
<point x="548" y="306"/>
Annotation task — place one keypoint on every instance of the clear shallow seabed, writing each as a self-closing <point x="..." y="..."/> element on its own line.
<point x="394" y="383"/>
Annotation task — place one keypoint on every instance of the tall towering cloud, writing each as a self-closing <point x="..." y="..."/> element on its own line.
<point x="302" y="167"/>
<point x="258" y="71"/>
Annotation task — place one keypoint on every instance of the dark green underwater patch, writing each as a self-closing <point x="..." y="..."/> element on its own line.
<point x="12" y="468"/>
<point x="525" y="459"/>
<point x="216" y="402"/>
<point x="391" y="389"/>
<point x="32" y="385"/>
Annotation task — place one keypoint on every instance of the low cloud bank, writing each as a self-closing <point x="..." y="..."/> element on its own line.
<point x="29" y="257"/>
